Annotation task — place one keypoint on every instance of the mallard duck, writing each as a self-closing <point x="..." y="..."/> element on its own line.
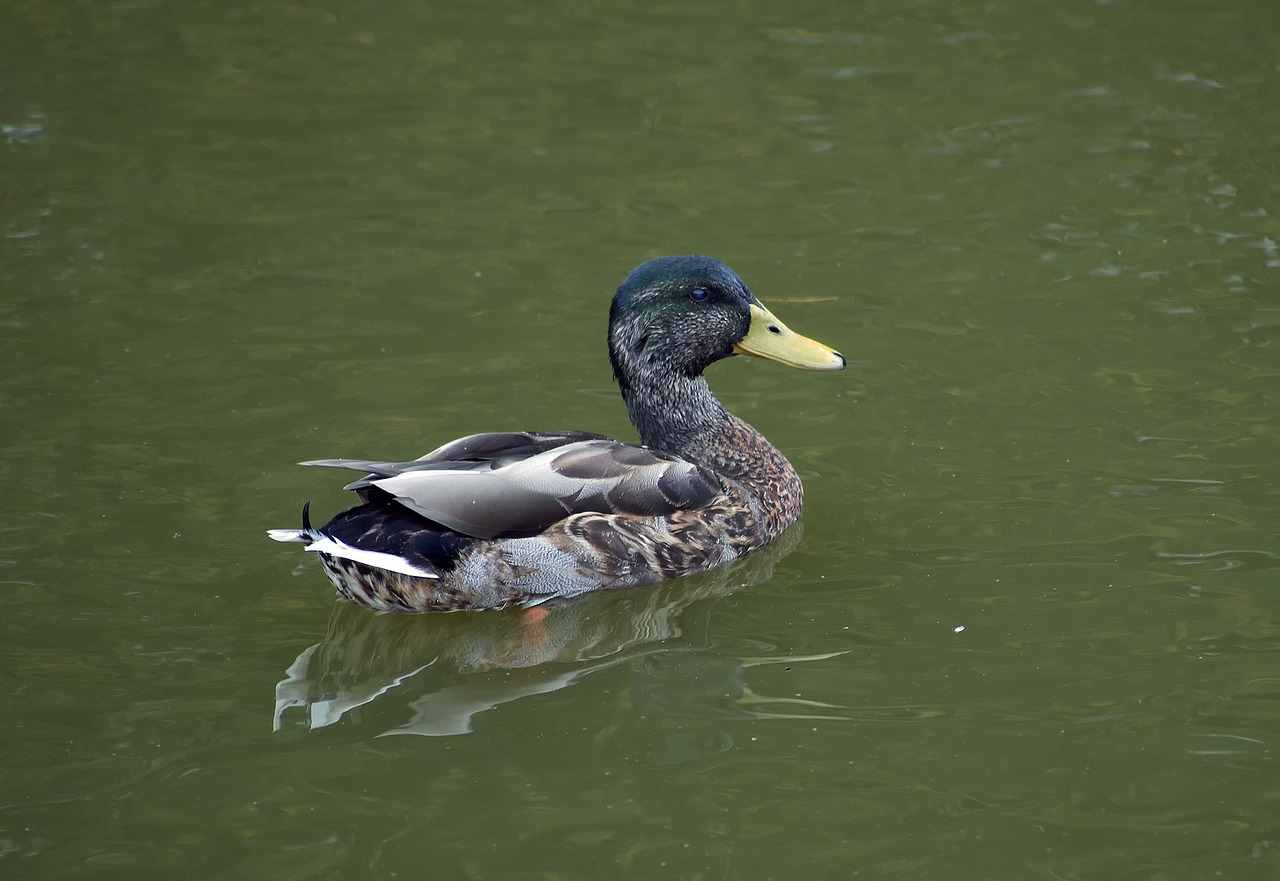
<point x="520" y="518"/>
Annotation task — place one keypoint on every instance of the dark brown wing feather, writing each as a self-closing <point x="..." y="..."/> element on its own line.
<point x="504" y="447"/>
<point x="477" y="451"/>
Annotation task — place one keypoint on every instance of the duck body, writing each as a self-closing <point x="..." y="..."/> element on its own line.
<point x="519" y="518"/>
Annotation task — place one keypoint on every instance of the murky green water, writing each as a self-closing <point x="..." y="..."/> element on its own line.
<point x="1031" y="628"/>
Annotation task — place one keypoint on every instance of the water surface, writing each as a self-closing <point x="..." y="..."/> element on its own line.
<point x="1028" y="628"/>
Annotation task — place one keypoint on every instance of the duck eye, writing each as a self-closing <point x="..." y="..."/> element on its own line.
<point x="698" y="294"/>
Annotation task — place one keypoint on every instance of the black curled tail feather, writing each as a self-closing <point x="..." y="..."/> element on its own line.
<point x="308" y="530"/>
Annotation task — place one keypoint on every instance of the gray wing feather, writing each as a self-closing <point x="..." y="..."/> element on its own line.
<point x="523" y="496"/>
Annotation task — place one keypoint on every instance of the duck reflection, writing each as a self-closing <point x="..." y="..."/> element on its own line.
<point x="472" y="662"/>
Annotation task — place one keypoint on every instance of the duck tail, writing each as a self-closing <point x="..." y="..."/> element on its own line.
<point x="322" y="543"/>
<point x="307" y="534"/>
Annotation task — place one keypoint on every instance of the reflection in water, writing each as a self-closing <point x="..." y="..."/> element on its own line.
<point x="477" y="661"/>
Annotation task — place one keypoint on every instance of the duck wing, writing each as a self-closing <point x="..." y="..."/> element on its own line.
<point x="519" y="484"/>
<point x="477" y="451"/>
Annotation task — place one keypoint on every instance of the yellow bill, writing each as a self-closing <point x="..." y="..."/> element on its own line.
<point x="769" y="338"/>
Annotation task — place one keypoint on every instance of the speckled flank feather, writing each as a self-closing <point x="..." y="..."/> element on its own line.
<point x="584" y="552"/>
<point x="518" y="518"/>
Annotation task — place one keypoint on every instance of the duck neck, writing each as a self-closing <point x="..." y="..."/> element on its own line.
<point x="677" y="415"/>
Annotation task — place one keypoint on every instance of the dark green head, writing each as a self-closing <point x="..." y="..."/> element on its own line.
<point x="674" y="316"/>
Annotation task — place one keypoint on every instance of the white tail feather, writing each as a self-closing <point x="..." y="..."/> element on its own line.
<point x="323" y="544"/>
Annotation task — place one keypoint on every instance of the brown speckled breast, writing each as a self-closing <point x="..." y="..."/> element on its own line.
<point x="741" y="453"/>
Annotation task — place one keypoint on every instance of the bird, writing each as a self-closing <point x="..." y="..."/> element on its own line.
<point x="524" y="518"/>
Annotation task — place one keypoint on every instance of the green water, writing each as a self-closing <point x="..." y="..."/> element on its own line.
<point x="1031" y="627"/>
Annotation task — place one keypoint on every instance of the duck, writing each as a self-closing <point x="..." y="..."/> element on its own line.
<point x="524" y="518"/>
